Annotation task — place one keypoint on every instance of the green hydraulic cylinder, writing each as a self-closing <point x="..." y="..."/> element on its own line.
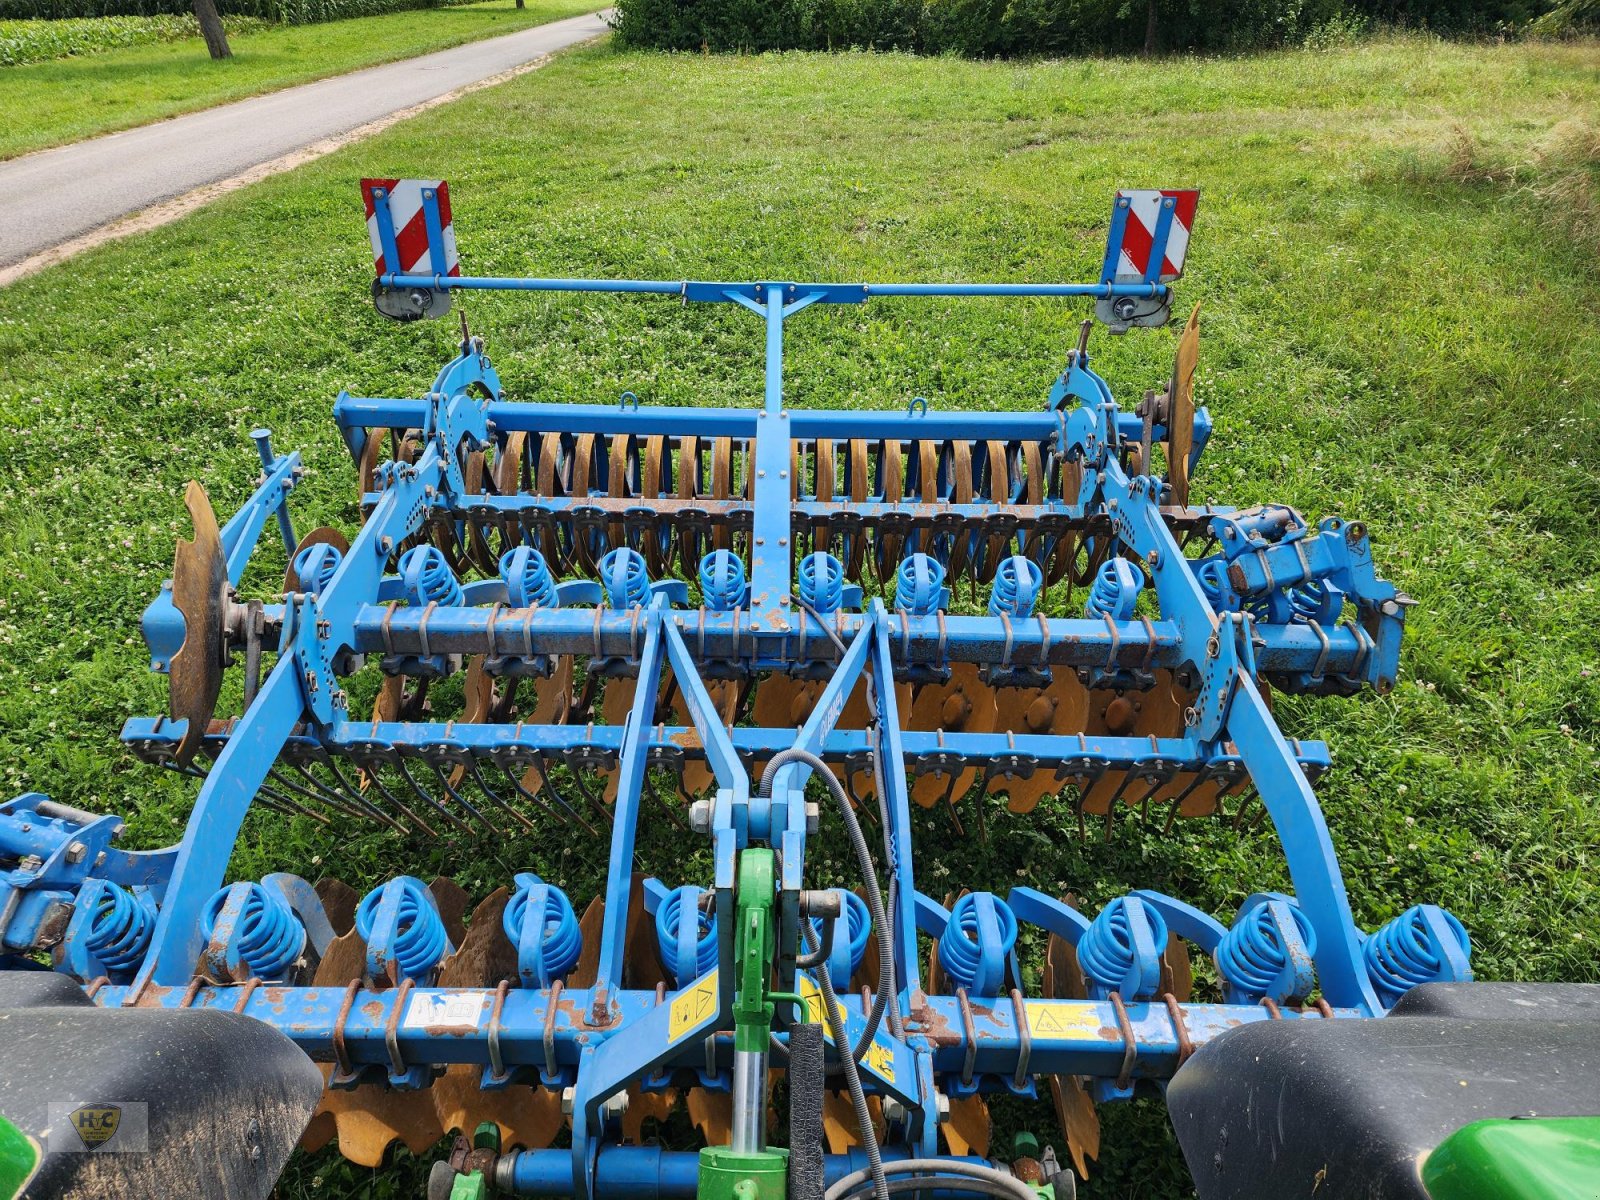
<point x="749" y="1169"/>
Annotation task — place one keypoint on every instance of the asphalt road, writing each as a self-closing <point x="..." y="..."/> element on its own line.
<point x="56" y="195"/>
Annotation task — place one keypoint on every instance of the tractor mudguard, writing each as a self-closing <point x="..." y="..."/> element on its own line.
<point x="147" y="1102"/>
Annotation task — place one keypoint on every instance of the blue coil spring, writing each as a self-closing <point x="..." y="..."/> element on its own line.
<point x="268" y="935"/>
<point x="121" y="926"/>
<point x="562" y="940"/>
<point x="1405" y="952"/>
<point x="1107" y="953"/>
<point x="1116" y="589"/>
<point x="919" y="585"/>
<point x="428" y="578"/>
<point x="1251" y="956"/>
<point x="315" y="564"/>
<point x="1212" y="574"/>
<point x="821" y="582"/>
<point x="529" y="583"/>
<point x="1016" y="587"/>
<point x="420" y="940"/>
<point x="722" y="581"/>
<point x="669" y="920"/>
<point x="625" y="578"/>
<point x="967" y="961"/>
<point x="857" y="927"/>
<point x="1315" y="600"/>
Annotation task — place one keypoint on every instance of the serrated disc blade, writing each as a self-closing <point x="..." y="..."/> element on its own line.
<point x="1180" y="409"/>
<point x="199" y="574"/>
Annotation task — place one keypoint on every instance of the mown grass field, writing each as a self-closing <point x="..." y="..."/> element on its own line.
<point x="1398" y="326"/>
<point x="65" y="100"/>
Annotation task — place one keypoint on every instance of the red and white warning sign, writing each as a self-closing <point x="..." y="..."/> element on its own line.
<point x="409" y="223"/>
<point x="1149" y="216"/>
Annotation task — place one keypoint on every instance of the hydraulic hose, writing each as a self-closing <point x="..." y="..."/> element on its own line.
<point x="852" y="1077"/>
<point x="934" y="1173"/>
<point x="869" y="876"/>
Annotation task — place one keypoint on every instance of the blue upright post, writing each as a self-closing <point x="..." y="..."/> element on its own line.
<point x="769" y="550"/>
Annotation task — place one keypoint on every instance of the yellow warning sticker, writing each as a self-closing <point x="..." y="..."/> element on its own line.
<point x="1058" y="1019"/>
<point x="880" y="1055"/>
<point x="880" y="1058"/>
<point x="693" y="1005"/>
<point x="816" y="1007"/>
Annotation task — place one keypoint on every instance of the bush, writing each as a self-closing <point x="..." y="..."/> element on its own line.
<point x="1043" y="27"/>
<point x="38" y="41"/>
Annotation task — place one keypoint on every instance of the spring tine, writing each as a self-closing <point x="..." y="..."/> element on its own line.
<point x="508" y="769"/>
<point x="333" y="766"/>
<point x="549" y="791"/>
<point x="950" y="805"/>
<point x="496" y="798"/>
<point x="322" y="794"/>
<point x="444" y="782"/>
<point x="503" y="702"/>
<point x="360" y="803"/>
<point x="593" y="801"/>
<point x="655" y="795"/>
<point x="284" y="805"/>
<point x="581" y="709"/>
<point x="337" y="805"/>
<point x="1244" y="803"/>
<point x="456" y="822"/>
<point x="1176" y="802"/>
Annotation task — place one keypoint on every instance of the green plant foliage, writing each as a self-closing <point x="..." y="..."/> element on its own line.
<point x="1042" y="27"/>
<point x="38" y="41"/>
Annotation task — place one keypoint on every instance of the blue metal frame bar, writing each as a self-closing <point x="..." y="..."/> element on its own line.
<point x="806" y="424"/>
<point x="487" y="739"/>
<point x="1067" y="1037"/>
<point x="1072" y="641"/>
<point x="754" y="294"/>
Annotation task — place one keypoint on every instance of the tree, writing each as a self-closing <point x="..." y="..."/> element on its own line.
<point x="205" y="11"/>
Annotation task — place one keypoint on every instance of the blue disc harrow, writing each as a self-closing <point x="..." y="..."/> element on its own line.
<point x="756" y="623"/>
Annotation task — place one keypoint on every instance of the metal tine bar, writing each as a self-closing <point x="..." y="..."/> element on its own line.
<point x="372" y="773"/>
<point x="444" y="782"/>
<point x="1128" y="776"/>
<point x="338" y="806"/>
<point x="549" y="790"/>
<point x="495" y="797"/>
<point x="332" y="764"/>
<point x="362" y="803"/>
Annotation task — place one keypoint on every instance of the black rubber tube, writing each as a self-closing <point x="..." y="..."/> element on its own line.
<point x="806" y="1075"/>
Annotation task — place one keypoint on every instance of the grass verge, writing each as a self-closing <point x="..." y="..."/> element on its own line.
<point x="50" y="103"/>
<point x="1384" y="337"/>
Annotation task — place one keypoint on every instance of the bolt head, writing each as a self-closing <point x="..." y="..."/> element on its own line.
<point x="77" y="852"/>
<point x="700" y="816"/>
<point x="569" y="1098"/>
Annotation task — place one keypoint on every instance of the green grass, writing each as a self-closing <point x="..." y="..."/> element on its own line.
<point x="1392" y="331"/>
<point x="49" y="103"/>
